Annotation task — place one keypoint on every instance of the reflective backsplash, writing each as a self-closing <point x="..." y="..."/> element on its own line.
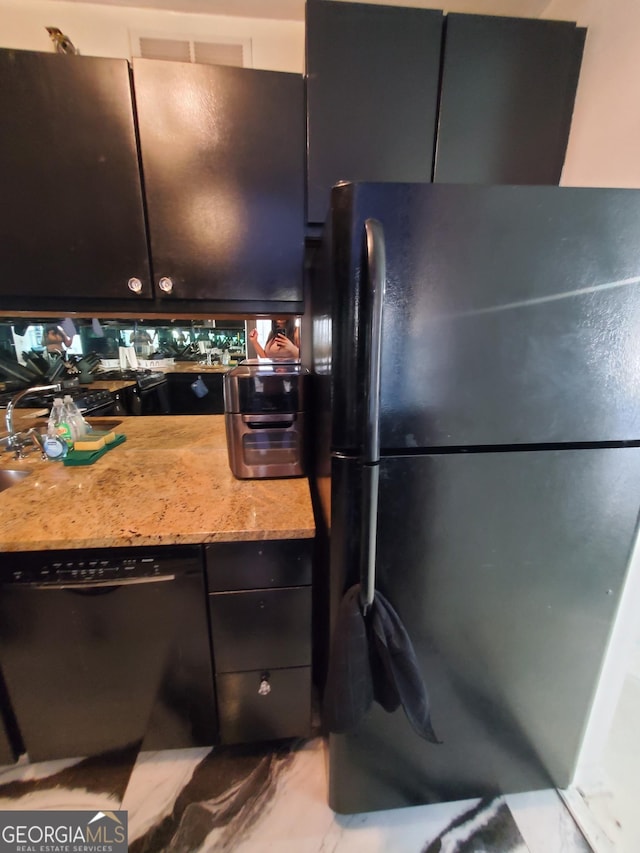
<point x="155" y="338"/>
<point x="34" y="341"/>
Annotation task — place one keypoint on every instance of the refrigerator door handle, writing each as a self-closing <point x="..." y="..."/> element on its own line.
<point x="376" y="274"/>
<point x="370" y="477"/>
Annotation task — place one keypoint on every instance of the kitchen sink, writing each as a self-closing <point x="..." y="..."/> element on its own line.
<point x="9" y="477"/>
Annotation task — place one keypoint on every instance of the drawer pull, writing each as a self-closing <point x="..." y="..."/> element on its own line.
<point x="265" y="687"/>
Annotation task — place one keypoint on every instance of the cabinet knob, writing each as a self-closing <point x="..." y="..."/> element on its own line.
<point x="265" y="687"/>
<point x="165" y="284"/>
<point x="135" y="285"/>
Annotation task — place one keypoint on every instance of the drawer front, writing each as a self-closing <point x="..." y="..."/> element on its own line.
<point x="281" y="709"/>
<point x="261" y="628"/>
<point x="254" y="565"/>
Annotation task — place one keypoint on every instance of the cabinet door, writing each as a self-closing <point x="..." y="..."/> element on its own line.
<point x="268" y="564"/>
<point x="249" y="713"/>
<point x="71" y="217"/>
<point x="223" y="160"/>
<point x="508" y="87"/>
<point x="372" y="93"/>
<point x="261" y="628"/>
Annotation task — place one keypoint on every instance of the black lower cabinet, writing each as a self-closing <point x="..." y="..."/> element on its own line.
<point x="183" y="399"/>
<point x="260" y="608"/>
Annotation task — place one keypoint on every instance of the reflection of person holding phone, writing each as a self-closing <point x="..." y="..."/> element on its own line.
<point x="141" y="341"/>
<point x="56" y="339"/>
<point x="283" y="341"/>
<point x="140" y="337"/>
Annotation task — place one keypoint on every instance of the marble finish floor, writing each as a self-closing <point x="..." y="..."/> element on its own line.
<point x="253" y="800"/>
<point x="607" y="810"/>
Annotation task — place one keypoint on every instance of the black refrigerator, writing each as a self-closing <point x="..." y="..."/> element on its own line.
<point x="476" y="362"/>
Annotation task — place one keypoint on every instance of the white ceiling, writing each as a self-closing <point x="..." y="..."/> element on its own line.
<point x="293" y="10"/>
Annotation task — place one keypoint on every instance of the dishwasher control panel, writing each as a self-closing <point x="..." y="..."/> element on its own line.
<point x="99" y="566"/>
<point x="82" y="571"/>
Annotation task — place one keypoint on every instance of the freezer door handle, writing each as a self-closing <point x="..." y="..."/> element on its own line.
<point x="376" y="271"/>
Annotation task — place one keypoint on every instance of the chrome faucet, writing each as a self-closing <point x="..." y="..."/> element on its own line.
<point x="17" y="441"/>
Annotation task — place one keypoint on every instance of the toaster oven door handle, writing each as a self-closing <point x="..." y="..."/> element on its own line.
<point x="284" y="420"/>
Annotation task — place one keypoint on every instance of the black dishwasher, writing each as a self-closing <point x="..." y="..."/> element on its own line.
<point x="107" y="648"/>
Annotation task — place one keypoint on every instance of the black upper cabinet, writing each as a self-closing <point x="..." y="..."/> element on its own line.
<point x="372" y="94"/>
<point x="223" y="163"/>
<point x="71" y="218"/>
<point x="508" y="87"/>
<point x="384" y="83"/>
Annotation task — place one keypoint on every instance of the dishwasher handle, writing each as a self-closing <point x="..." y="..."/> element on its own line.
<point x="103" y="584"/>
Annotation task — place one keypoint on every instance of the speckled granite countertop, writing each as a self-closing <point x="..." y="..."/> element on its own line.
<point x="196" y="367"/>
<point x="168" y="484"/>
<point x="177" y="367"/>
<point x="111" y="384"/>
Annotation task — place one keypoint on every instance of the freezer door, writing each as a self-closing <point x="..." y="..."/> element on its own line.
<point x="510" y="316"/>
<point x="506" y="570"/>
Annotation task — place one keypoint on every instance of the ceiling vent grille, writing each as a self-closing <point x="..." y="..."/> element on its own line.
<point x="171" y="49"/>
<point x="187" y="49"/>
<point x="218" y="54"/>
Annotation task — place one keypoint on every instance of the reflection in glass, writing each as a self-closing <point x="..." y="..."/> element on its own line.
<point x="276" y="339"/>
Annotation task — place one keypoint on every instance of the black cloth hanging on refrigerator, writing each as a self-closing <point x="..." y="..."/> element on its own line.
<point x="372" y="658"/>
<point x="348" y="692"/>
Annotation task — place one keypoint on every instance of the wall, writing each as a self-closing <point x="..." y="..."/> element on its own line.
<point x="603" y="144"/>
<point x="104" y="30"/>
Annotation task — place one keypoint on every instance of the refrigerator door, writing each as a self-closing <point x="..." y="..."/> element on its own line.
<point x="506" y="570"/>
<point x="510" y="317"/>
